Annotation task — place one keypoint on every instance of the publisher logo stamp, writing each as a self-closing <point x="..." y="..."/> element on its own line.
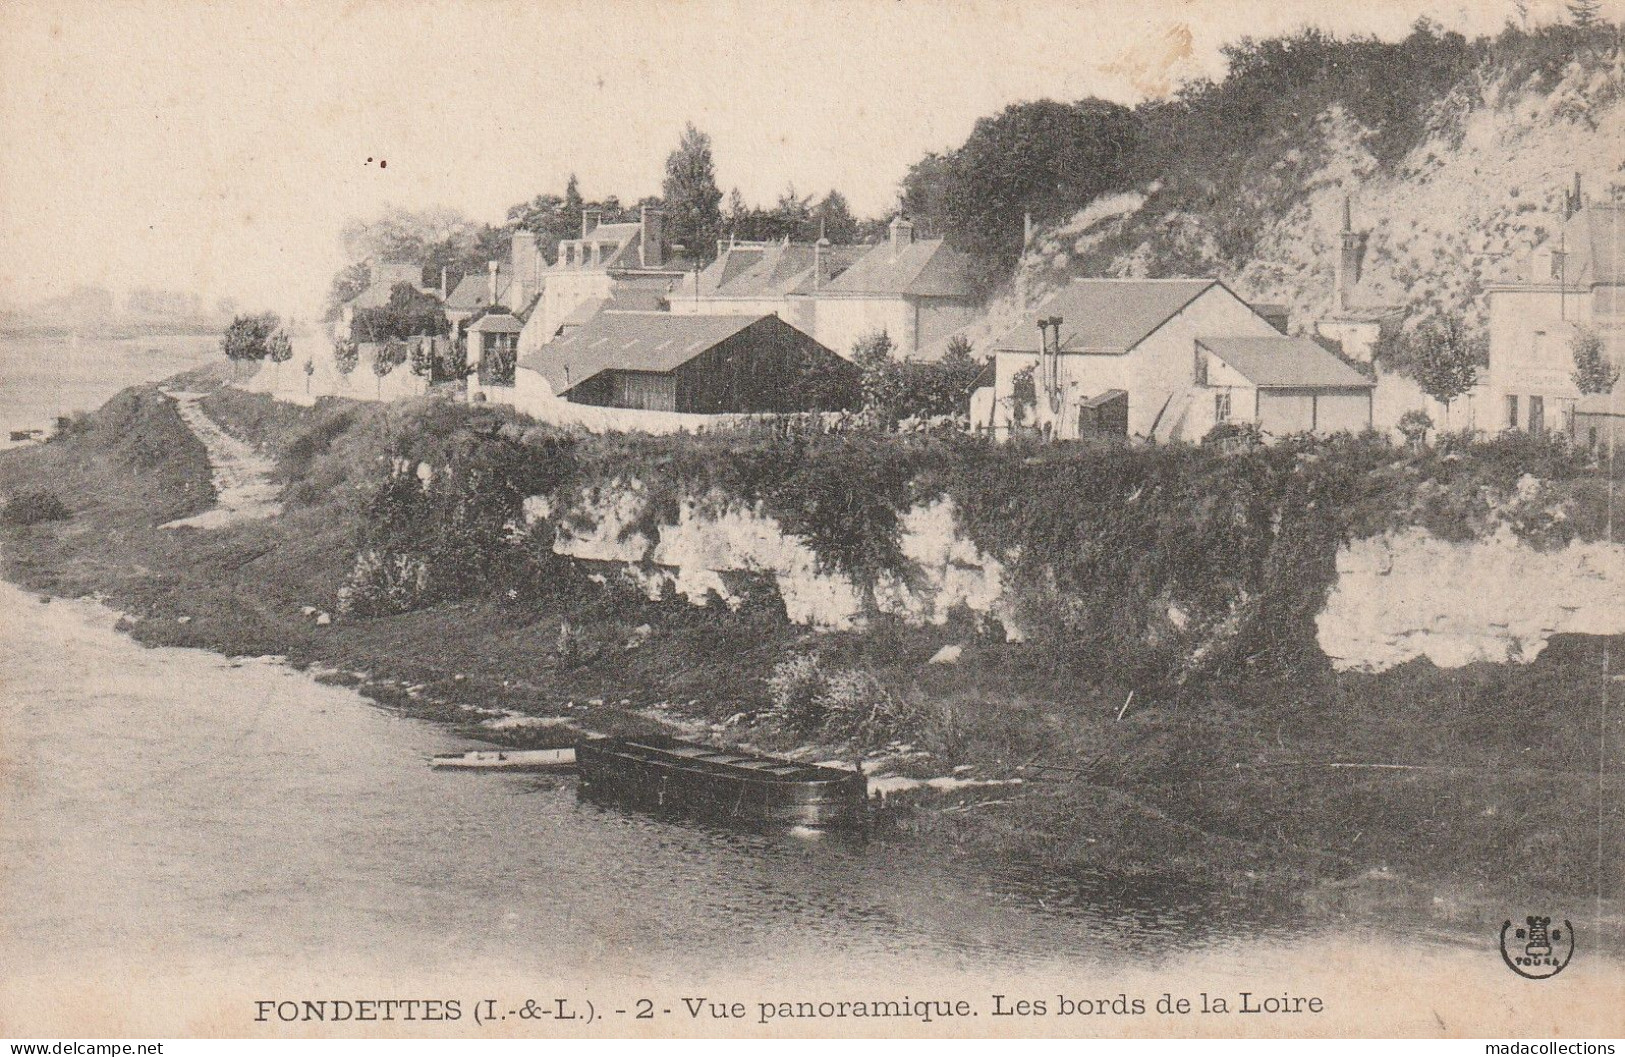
<point x="1536" y="949"/>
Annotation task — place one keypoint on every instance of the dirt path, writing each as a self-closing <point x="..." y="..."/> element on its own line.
<point x="242" y="478"/>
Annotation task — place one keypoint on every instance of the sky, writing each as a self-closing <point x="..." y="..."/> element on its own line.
<point x="220" y="147"/>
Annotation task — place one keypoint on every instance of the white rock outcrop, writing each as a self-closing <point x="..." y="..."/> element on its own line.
<point x="1409" y="594"/>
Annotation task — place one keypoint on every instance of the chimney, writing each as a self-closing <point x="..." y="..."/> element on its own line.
<point x="522" y="261"/>
<point x="652" y="247"/>
<point x="589" y="221"/>
<point x="1350" y="258"/>
<point x="491" y="287"/>
<point x="902" y="233"/>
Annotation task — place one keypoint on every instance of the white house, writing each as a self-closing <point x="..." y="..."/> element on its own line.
<point x="761" y="278"/>
<point x="1574" y="280"/>
<point x="1181" y="354"/>
<point x="916" y="290"/>
<point x="608" y="262"/>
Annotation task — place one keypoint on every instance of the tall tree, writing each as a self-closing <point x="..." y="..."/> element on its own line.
<point x="1593" y="372"/>
<point x="1585" y="14"/>
<point x="693" y="200"/>
<point x="835" y="217"/>
<point x="1445" y="359"/>
<point x="1045" y="158"/>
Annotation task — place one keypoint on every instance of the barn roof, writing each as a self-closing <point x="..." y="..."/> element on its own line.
<point x="1285" y="363"/>
<point x="631" y="341"/>
<point x="1106" y="315"/>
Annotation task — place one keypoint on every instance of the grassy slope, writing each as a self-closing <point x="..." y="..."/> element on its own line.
<point x="1229" y="785"/>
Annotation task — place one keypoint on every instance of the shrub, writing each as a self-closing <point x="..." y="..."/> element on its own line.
<point x="796" y="689"/>
<point x="346" y="356"/>
<point x="847" y="703"/>
<point x="34" y="508"/>
<point x="384" y="585"/>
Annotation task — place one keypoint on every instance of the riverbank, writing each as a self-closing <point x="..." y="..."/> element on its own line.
<point x="1438" y="796"/>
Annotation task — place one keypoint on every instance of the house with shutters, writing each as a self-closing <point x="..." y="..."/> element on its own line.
<point x="1572" y="282"/>
<point x="1166" y="359"/>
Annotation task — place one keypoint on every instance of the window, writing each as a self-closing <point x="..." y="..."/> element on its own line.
<point x="1537" y="414"/>
<point x="1221" y="407"/>
<point x="1558" y="260"/>
<point x="1512" y="412"/>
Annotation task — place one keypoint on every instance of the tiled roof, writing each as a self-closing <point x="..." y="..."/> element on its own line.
<point x="1106" y="315"/>
<point x="377" y="295"/>
<point x="496" y="323"/>
<point x="1285" y="363"/>
<point x="631" y="341"/>
<point x="925" y="268"/>
<point x="1601" y="404"/>
<point x="1595" y="240"/>
<point x="473" y="292"/>
<point x="772" y="270"/>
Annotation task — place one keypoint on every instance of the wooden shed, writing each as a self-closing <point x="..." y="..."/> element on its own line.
<point x="708" y="365"/>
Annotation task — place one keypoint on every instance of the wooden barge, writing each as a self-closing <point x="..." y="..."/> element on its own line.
<point x="670" y="775"/>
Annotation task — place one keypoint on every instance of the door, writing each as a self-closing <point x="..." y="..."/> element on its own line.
<point x="1537" y="414"/>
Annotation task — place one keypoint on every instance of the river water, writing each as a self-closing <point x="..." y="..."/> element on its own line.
<point x="43" y="377"/>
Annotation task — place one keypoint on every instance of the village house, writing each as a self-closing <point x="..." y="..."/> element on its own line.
<point x="627" y="263"/>
<point x="917" y="291"/>
<point x="1357" y="324"/>
<point x="386" y="276"/>
<point x="1166" y="359"/>
<point x="514" y="284"/>
<point x="1358" y="317"/>
<point x="759" y="278"/>
<point x="698" y="365"/>
<point x="1573" y="281"/>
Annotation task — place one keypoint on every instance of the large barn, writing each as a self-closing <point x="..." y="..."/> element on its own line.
<point x="706" y="365"/>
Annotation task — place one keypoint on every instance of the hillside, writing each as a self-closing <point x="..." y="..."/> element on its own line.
<point x="1456" y="156"/>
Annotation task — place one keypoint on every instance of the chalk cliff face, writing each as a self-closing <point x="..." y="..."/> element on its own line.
<point x="1397" y="597"/>
<point x="1409" y="595"/>
<point x="714" y="539"/>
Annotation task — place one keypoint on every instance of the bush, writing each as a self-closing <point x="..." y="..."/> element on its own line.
<point x="34" y="508"/>
<point x="847" y="703"/>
